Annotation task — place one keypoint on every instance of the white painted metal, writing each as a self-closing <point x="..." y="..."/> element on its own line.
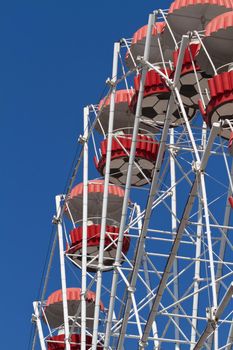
<point x="39" y="326"/>
<point x="147" y="277"/>
<point x="153" y="190"/>
<point x="63" y="273"/>
<point x="128" y="182"/>
<point x="84" y="230"/>
<point x="46" y="283"/>
<point x="196" y="277"/>
<point x="215" y="314"/>
<point x="105" y="197"/>
<point x="174" y="228"/>
<point x="196" y="281"/>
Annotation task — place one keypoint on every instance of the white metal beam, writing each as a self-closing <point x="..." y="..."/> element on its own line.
<point x="153" y="191"/>
<point x="128" y="183"/>
<point x="174" y="228"/>
<point x="63" y="274"/>
<point x="105" y="197"/>
<point x="39" y="326"/>
<point x="84" y="230"/>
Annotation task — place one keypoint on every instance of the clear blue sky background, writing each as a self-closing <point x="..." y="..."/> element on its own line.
<point x="54" y="59"/>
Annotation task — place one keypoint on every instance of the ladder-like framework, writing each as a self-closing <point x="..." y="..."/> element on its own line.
<point x="145" y="241"/>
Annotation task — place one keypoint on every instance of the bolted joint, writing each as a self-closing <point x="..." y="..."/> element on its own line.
<point x="190" y="35"/>
<point x="196" y="167"/>
<point x="174" y="152"/>
<point x="131" y="289"/>
<point x="140" y="59"/>
<point x="34" y="318"/>
<point x="110" y="82"/>
<point x="122" y="41"/>
<point x="100" y="267"/>
<point x="82" y="140"/>
<point x="143" y="344"/>
<point x="211" y="314"/>
<point x="172" y="193"/>
<point x="172" y="87"/>
<point x="56" y="220"/>
<point x="116" y="265"/>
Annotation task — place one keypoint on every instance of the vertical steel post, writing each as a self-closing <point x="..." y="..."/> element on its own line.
<point x="174" y="229"/>
<point x="63" y="274"/>
<point x="147" y="277"/>
<point x="196" y="277"/>
<point x="223" y="239"/>
<point x="105" y="197"/>
<point x="84" y="229"/>
<point x="39" y="326"/>
<point x="208" y="233"/>
<point x="213" y="133"/>
<point x="197" y="256"/>
<point x="128" y="182"/>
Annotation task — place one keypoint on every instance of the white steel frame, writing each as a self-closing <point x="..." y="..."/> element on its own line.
<point x="142" y="312"/>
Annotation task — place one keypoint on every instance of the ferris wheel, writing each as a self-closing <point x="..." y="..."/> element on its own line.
<point x="145" y="247"/>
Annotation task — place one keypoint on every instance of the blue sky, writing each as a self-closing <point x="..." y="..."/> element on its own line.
<point x="54" y="59"/>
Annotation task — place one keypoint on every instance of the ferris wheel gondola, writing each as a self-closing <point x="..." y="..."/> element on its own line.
<point x="145" y="158"/>
<point x="95" y="200"/>
<point x="218" y="42"/>
<point x="54" y="307"/>
<point x="156" y="98"/>
<point x="193" y="80"/>
<point x="147" y="147"/>
<point x="220" y="105"/>
<point x="93" y="243"/>
<point x="218" y="39"/>
<point x="157" y="51"/>
<point x="57" y="342"/>
<point x="185" y="16"/>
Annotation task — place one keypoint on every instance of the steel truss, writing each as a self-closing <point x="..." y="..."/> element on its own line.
<point x="174" y="287"/>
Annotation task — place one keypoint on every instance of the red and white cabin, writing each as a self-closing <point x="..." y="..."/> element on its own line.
<point x="123" y="116"/>
<point x="145" y="158"/>
<point x="93" y="243"/>
<point x="189" y="15"/>
<point x="220" y="105"/>
<point x="54" y="307"/>
<point x="192" y="77"/>
<point x="138" y="45"/>
<point x="218" y="41"/>
<point x="156" y="99"/>
<point x="74" y="205"/>
<point x="57" y="342"/>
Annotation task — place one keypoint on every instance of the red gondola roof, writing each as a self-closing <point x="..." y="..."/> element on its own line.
<point x="122" y="96"/>
<point x="178" y="4"/>
<point x="96" y="186"/>
<point x="140" y="34"/>
<point x="72" y="294"/>
<point x="223" y="21"/>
